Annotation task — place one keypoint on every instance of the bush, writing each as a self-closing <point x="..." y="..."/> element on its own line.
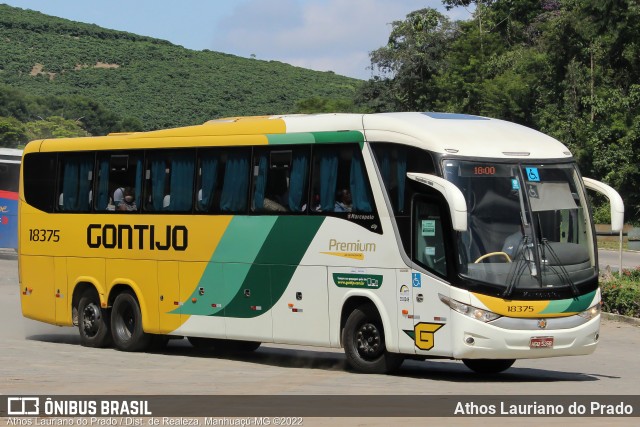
<point x="621" y="292"/>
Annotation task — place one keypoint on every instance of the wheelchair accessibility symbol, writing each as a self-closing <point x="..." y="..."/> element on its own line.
<point x="417" y="280"/>
<point x="532" y="174"/>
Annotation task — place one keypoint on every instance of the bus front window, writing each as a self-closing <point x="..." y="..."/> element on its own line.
<point x="528" y="226"/>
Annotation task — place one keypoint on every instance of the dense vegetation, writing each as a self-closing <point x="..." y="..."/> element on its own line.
<point x="570" y="68"/>
<point x="621" y="292"/>
<point x="111" y="80"/>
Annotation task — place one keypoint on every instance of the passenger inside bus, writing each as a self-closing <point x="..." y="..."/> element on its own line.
<point x="128" y="202"/>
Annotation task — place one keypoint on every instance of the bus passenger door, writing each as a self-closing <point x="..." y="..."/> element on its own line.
<point x="430" y="315"/>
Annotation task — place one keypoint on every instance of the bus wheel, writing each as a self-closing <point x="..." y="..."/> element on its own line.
<point x="488" y="366"/>
<point x="364" y="343"/>
<point x="93" y="322"/>
<point x="126" y="324"/>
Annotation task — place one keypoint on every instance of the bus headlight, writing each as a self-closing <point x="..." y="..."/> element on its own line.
<point x="591" y="312"/>
<point x="469" y="310"/>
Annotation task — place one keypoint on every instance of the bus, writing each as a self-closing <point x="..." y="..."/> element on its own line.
<point x="392" y="235"/>
<point x="9" y="178"/>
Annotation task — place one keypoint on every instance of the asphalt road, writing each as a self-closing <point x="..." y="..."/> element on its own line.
<point x="630" y="260"/>
<point x="44" y="359"/>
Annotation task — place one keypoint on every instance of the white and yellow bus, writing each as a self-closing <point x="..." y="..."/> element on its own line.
<point x="399" y="235"/>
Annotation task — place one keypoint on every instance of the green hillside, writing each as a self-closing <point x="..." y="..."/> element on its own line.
<point x="154" y="81"/>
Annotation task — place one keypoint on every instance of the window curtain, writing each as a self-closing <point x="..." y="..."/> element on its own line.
<point x="297" y="181"/>
<point x="138" y="188"/>
<point x="261" y="183"/>
<point x="236" y="183"/>
<point x="328" y="180"/>
<point x="358" y="183"/>
<point x="158" y="176"/>
<point x="385" y="167"/>
<point x="102" y="201"/>
<point x="209" y="167"/>
<point x="182" y="168"/>
<point x="76" y="184"/>
<point x="401" y="165"/>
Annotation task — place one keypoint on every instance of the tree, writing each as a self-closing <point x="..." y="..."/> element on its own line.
<point x="55" y="127"/>
<point x="325" y="105"/>
<point x="12" y="132"/>
<point x="414" y="55"/>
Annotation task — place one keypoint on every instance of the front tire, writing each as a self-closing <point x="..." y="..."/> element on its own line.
<point x="126" y="324"/>
<point x="488" y="366"/>
<point x="364" y="343"/>
<point x="93" y="322"/>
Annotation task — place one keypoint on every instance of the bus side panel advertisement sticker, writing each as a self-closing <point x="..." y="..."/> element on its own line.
<point x="532" y="174"/>
<point x="347" y="280"/>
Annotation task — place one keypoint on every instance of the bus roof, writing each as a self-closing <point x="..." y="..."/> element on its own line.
<point x="447" y="133"/>
<point x="10" y="152"/>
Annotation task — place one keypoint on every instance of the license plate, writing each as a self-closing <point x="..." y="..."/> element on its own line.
<point x="541" y="342"/>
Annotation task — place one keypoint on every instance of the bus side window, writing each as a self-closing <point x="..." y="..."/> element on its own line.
<point x="235" y="185"/>
<point x="394" y="161"/>
<point x="169" y="181"/>
<point x="429" y="249"/>
<point x="208" y="183"/>
<point x="117" y="171"/>
<point x="74" y="182"/>
<point x="223" y="180"/>
<point x="39" y="188"/>
<point x="280" y="180"/>
<point x="340" y="182"/>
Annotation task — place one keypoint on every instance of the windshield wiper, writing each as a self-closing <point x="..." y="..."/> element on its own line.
<point x="520" y="264"/>
<point x="564" y="274"/>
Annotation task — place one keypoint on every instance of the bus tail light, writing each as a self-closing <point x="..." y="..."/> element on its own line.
<point x="469" y="310"/>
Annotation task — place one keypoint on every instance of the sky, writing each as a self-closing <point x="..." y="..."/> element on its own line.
<point x="323" y="35"/>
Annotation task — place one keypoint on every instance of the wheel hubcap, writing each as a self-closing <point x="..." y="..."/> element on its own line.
<point x="91" y="318"/>
<point x="369" y="341"/>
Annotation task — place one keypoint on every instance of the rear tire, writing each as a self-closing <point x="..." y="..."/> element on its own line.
<point x="93" y="321"/>
<point x="364" y="343"/>
<point x="126" y="324"/>
<point x="488" y="366"/>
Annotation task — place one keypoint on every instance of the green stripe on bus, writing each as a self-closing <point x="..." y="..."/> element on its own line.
<point x="274" y="266"/>
<point x="273" y="247"/>
<point x="316" y="138"/>
<point x="573" y="305"/>
<point x="229" y="265"/>
<point x="290" y="138"/>
<point x="243" y="239"/>
<point x="344" y="136"/>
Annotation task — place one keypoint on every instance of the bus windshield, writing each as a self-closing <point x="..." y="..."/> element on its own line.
<point x="528" y="225"/>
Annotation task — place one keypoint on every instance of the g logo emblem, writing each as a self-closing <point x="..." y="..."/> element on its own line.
<point x="424" y="335"/>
